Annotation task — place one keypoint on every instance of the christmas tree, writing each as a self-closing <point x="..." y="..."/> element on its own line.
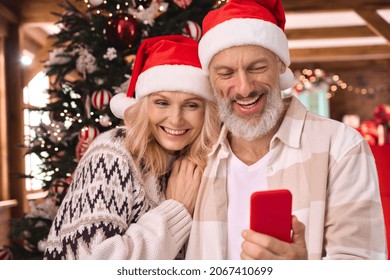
<point x="91" y="61"/>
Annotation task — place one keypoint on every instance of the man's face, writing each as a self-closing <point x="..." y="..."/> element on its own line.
<point x="246" y="85"/>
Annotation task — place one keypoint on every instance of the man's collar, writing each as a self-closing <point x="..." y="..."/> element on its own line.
<point x="291" y="128"/>
<point x="222" y="142"/>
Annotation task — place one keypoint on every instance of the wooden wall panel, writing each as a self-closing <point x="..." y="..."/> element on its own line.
<point x="375" y="79"/>
<point x="5" y="216"/>
<point x="15" y="120"/>
<point x="4" y="184"/>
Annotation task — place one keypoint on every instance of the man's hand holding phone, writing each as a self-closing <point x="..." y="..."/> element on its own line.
<point x="274" y="233"/>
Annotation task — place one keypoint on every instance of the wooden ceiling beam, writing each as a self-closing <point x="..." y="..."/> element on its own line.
<point x="3" y="29"/>
<point x="375" y="22"/>
<point x="40" y="11"/>
<point x="36" y="34"/>
<point x="329" y="32"/>
<point x="7" y="15"/>
<point x="31" y="45"/>
<point x="340" y="53"/>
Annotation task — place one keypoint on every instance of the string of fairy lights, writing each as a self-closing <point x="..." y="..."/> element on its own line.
<point x="157" y="8"/>
<point x="309" y="80"/>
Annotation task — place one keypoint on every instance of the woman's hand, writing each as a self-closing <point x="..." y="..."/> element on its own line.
<point x="183" y="184"/>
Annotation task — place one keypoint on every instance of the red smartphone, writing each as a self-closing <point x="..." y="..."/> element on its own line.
<point x="270" y="213"/>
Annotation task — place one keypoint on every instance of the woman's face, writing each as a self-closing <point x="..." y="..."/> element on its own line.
<point x="176" y="118"/>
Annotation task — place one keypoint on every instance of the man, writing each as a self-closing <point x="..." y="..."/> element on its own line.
<point x="272" y="143"/>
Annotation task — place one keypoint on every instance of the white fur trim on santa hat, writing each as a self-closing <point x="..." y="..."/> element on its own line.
<point x="246" y="31"/>
<point x="119" y="103"/>
<point x="184" y="78"/>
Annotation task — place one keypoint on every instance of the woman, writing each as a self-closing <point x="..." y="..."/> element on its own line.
<point x="115" y="207"/>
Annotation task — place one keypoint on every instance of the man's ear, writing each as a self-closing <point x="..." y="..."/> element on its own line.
<point x="282" y="66"/>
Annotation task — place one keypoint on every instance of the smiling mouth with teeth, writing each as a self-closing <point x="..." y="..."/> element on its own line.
<point x="248" y="103"/>
<point x="174" y="131"/>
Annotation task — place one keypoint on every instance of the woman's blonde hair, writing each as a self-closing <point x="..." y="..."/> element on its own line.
<point x="147" y="151"/>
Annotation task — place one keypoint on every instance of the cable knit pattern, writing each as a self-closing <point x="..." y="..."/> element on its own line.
<point x="109" y="212"/>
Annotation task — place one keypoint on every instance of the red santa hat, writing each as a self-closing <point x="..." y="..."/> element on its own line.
<point x="164" y="63"/>
<point x="246" y="22"/>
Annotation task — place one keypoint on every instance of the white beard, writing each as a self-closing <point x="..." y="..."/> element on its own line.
<point x="254" y="126"/>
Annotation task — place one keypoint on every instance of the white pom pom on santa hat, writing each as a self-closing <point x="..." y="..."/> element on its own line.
<point x="119" y="103"/>
<point x="164" y="63"/>
<point x="246" y="22"/>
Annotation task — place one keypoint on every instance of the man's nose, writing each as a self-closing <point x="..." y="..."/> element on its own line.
<point x="244" y="85"/>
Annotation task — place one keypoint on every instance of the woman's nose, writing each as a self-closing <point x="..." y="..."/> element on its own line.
<point x="176" y="116"/>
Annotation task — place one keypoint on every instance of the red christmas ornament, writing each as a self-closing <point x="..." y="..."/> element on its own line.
<point x="100" y="99"/>
<point x="382" y="114"/>
<point x="88" y="133"/>
<point x="122" y="31"/>
<point x="192" y="30"/>
<point x="371" y="140"/>
<point x="183" y="3"/>
<point x="369" y="130"/>
<point x="369" y="127"/>
<point x="5" y="254"/>
<point x="82" y="147"/>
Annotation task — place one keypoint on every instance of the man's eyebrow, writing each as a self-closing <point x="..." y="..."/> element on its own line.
<point x="260" y="60"/>
<point x="225" y="67"/>
<point x="222" y="67"/>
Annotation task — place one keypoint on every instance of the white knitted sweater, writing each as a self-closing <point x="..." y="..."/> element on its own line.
<point x="110" y="213"/>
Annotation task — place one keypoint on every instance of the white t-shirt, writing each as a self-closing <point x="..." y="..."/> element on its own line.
<point x="242" y="181"/>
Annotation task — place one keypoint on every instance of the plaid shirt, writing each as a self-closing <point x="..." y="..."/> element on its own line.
<point x="331" y="172"/>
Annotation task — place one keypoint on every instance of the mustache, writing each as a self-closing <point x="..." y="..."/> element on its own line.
<point x="253" y="94"/>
